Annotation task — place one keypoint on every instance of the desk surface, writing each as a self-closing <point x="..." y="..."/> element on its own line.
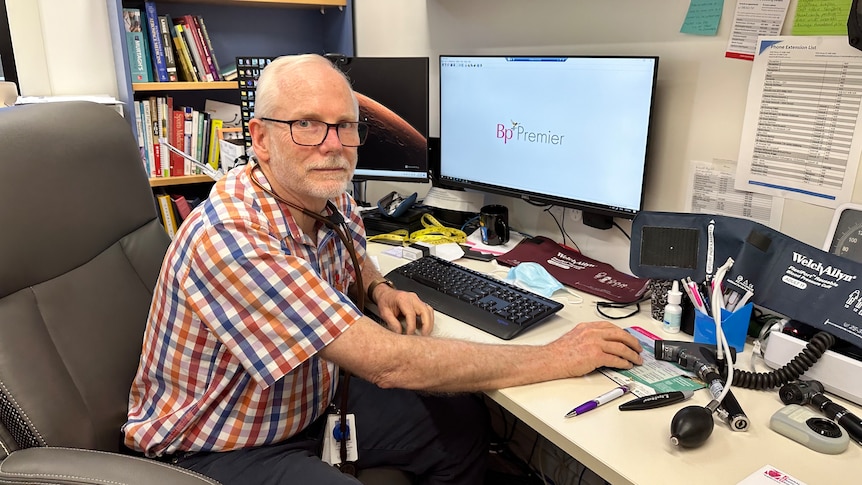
<point x="634" y="447"/>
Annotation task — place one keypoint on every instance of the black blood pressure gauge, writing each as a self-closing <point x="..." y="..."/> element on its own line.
<point x="845" y="233"/>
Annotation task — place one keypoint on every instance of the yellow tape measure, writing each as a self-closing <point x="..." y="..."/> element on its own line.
<point x="433" y="232"/>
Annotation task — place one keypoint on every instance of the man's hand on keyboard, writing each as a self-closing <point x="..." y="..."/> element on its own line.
<point x="592" y="345"/>
<point x="404" y="312"/>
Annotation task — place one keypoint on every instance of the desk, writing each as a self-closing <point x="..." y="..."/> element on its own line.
<point x="634" y="447"/>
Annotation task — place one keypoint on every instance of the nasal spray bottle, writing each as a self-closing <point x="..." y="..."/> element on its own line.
<point x="673" y="309"/>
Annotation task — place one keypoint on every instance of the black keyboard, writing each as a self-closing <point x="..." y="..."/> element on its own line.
<point x="495" y="306"/>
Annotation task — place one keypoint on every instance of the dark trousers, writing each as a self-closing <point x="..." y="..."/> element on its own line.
<point x="439" y="439"/>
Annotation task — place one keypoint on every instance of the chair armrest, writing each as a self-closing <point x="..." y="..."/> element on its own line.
<point x="77" y="466"/>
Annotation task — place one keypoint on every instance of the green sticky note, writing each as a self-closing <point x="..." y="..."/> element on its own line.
<point x="702" y="17"/>
<point x="821" y="17"/>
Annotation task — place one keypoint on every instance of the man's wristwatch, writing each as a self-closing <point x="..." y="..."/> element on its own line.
<point x="373" y="285"/>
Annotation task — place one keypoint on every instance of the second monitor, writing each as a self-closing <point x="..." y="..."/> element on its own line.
<point x="393" y="98"/>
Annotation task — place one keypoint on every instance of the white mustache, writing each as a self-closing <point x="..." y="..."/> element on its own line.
<point x="332" y="164"/>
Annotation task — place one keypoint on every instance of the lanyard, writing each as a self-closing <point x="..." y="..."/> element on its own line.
<point x="336" y="222"/>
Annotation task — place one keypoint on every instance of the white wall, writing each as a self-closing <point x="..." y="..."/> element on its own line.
<point x="64" y="47"/>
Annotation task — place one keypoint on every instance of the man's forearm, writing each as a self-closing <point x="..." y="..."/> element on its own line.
<point x="391" y="360"/>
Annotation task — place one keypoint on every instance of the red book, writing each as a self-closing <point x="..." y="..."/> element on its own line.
<point x="177" y="140"/>
<point x="209" y="58"/>
<point x="190" y="26"/>
<point x="182" y="205"/>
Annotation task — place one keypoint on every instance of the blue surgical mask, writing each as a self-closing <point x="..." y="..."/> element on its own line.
<point x="534" y="277"/>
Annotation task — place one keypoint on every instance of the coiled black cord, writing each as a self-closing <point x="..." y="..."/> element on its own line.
<point x="797" y="366"/>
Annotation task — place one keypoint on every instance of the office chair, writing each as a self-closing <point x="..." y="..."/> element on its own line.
<point x="80" y="252"/>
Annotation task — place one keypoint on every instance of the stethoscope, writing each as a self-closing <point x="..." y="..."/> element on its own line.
<point x="334" y="221"/>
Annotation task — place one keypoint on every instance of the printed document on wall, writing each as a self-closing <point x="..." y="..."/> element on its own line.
<point x="751" y="19"/>
<point x="712" y="191"/>
<point x="800" y="136"/>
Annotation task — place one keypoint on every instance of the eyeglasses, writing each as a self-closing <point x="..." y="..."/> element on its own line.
<point x="311" y="133"/>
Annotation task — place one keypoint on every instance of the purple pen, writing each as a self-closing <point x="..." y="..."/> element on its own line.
<point x="603" y="399"/>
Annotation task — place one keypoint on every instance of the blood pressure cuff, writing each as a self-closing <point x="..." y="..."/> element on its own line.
<point x="576" y="270"/>
<point x="785" y="275"/>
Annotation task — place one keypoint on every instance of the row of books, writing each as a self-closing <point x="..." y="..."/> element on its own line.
<point x="173" y="210"/>
<point x="165" y="49"/>
<point x="195" y="133"/>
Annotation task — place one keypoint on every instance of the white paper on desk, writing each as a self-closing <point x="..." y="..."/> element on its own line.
<point x="654" y="376"/>
<point x="801" y="132"/>
<point x="456" y="200"/>
<point x="474" y="240"/>
<point x="769" y="475"/>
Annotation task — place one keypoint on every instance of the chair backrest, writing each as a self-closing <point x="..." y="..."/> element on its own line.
<point x="80" y="251"/>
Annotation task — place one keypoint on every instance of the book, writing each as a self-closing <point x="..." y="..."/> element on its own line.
<point x="192" y="48"/>
<point x="187" y="69"/>
<point x="167" y="43"/>
<point x="177" y="139"/>
<point x="229" y="73"/>
<point x="156" y="131"/>
<point x="139" y="128"/>
<point x="206" y="46"/>
<point x="135" y="40"/>
<point x="147" y="122"/>
<point x="194" y="201"/>
<point x="166" y="211"/>
<point x="203" y="136"/>
<point x="147" y="52"/>
<point x="194" y="135"/>
<point x="164" y="123"/>
<point x="182" y="205"/>
<point x="213" y="151"/>
<point x="157" y="51"/>
<point x="195" y="44"/>
<point x="188" y="114"/>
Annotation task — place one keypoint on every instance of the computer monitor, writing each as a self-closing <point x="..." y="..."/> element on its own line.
<point x="393" y="98"/>
<point x="571" y="131"/>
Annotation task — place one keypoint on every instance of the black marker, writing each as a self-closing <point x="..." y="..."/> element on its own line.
<point x="656" y="400"/>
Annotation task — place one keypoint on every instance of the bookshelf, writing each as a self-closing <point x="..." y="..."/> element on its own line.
<point x="266" y="28"/>
<point x="269" y="3"/>
<point x="183" y="180"/>
<point x="184" y="86"/>
<point x="237" y="28"/>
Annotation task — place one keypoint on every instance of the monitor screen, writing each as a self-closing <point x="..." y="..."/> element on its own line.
<point x="393" y="98"/>
<point x="566" y="130"/>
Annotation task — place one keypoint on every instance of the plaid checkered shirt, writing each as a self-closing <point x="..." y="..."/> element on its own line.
<point x="243" y="303"/>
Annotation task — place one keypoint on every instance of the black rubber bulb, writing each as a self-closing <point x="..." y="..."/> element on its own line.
<point x="691" y="426"/>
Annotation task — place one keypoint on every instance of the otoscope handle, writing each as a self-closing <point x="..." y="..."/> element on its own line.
<point x="731" y="412"/>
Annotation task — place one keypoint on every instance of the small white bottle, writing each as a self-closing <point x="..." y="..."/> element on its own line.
<point x="673" y="309"/>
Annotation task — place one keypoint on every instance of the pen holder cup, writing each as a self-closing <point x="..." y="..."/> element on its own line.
<point x="734" y="325"/>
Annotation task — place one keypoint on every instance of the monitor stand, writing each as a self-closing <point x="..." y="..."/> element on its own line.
<point x="597" y="220"/>
<point x="359" y="193"/>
